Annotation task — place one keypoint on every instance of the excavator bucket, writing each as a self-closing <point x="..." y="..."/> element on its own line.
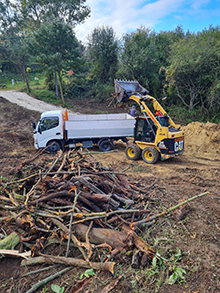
<point x="126" y="88"/>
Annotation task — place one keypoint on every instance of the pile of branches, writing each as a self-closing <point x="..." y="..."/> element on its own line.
<point x="72" y="199"/>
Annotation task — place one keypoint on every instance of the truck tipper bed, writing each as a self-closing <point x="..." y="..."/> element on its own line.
<point x="56" y="129"/>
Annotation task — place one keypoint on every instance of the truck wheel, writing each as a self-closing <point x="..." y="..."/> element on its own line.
<point x="53" y="147"/>
<point x="133" y="152"/>
<point x="105" y="146"/>
<point x="150" y="155"/>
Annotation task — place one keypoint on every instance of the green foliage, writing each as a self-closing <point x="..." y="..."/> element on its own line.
<point x="88" y="273"/>
<point x="143" y="53"/>
<point x="176" y="275"/>
<point x="102" y="51"/>
<point x="193" y="72"/>
<point x="178" y="272"/>
<point x="102" y="91"/>
<point x="57" y="289"/>
<point x="45" y="289"/>
<point x="29" y="14"/>
<point x="177" y="257"/>
<point x="78" y="87"/>
<point x="46" y="95"/>
<point x="182" y="115"/>
<point x="14" y="51"/>
<point x="158" y="262"/>
<point x="55" y="46"/>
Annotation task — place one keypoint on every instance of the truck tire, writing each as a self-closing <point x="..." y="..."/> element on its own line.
<point x="150" y="155"/>
<point x="133" y="152"/>
<point x="105" y="146"/>
<point x="53" y="147"/>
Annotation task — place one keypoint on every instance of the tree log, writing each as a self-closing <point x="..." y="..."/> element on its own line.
<point x="15" y="253"/>
<point x="101" y="198"/>
<point x="10" y="241"/>
<point x="138" y="242"/>
<point x="116" y="239"/>
<point x="105" y="266"/>
<point x="113" y="238"/>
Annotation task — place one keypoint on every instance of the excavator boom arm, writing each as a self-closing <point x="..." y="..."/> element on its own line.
<point x="132" y="90"/>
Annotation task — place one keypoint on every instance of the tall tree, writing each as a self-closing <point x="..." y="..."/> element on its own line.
<point x="102" y="50"/>
<point x="55" y="46"/>
<point x="136" y="55"/>
<point x="30" y="13"/>
<point x="20" y="18"/>
<point x="143" y="53"/>
<point x="13" y="46"/>
<point x="194" y="68"/>
<point x="14" y="50"/>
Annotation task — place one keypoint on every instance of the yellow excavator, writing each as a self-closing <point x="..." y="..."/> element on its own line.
<point x="156" y="136"/>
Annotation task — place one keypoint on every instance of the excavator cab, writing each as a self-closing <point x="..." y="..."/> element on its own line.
<point x="144" y="130"/>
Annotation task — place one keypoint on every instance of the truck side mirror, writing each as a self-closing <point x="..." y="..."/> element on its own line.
<point x="34" y="125"/>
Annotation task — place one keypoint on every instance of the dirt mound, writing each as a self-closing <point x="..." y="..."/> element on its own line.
<point x="202" y="140"/>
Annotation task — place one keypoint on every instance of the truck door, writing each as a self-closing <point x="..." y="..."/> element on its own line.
<point x="49" y="128"/>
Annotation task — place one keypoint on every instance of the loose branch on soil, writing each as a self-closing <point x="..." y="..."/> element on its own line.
<point x="170" y="209"/>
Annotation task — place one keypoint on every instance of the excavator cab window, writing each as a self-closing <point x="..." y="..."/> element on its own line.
<point x="163" y="120"/>
<point x="144" y="130"/>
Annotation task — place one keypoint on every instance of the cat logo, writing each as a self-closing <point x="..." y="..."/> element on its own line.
<point x="178" y="146"/>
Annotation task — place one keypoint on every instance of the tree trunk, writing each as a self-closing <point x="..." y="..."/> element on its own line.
<point x="70" y="261"/>
<point x="24" y="76"/>
<point x="61" y="89"/>
<point x="10" y="241"/>
<point x="56" y="85"/>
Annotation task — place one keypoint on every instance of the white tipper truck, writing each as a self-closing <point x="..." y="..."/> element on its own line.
<point x="57" y="129"/>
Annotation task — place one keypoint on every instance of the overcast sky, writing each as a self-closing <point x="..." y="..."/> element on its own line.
<point x="162" y="15"/>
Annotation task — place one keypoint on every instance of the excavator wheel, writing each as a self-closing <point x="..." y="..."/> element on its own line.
<point x="150" y="155"/>
<point x="133" y="152"/>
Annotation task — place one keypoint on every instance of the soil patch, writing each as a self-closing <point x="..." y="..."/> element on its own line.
<point x="202" y="140"/>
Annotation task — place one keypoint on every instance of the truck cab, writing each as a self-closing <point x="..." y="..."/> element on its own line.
<point x="49" y="130"/>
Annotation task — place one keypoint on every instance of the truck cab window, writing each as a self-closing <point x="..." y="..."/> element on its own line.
<point x="48" y="123"/>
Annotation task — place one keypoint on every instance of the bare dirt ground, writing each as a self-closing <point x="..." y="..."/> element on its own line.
<point x="197" y="235"/>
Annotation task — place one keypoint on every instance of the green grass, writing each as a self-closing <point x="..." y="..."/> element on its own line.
<point x="46" y="95"/>
<point x="19" y="84"/>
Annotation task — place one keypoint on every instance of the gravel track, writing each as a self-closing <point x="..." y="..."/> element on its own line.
<point x="28" y="102"/>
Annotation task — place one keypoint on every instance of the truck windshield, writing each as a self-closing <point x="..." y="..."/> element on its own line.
<point x="48" y="123"/>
